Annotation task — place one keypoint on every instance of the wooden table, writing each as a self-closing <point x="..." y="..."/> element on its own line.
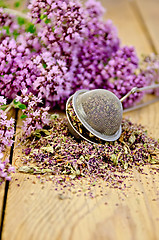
<point x="31" y="210"/>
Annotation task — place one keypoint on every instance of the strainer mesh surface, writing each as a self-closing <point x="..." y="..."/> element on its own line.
<point x="100" y="110"/>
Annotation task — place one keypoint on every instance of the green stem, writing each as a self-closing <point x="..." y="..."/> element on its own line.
<point x="9" y="107"/>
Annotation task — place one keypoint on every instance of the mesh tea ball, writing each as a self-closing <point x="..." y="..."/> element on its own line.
<point x="100" y="112"/>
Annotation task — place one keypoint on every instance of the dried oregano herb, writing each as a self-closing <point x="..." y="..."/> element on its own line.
<point x="58" y="153"/>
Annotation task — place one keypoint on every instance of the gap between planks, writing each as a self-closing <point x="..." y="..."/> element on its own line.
<point x="149" y="13"/>
<point x="142" y="19"/>
<point x="130" y="27"/>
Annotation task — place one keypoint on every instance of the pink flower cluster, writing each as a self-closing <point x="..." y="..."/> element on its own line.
<point x="7" y="23"/>
<point x="149" y="69"/>
<point x="16" y="68"/>
<point x="89" y="47"/>
<point x="17" y="47"/>
<point x="77" y="39"/>
<point x="121" y="76"/>
<point x="54" y="81"/>
<point x="6" y="128"/>
<point x="69" y="47"/>
<point x="5" y="169"/>
<point x="35" y="117"/>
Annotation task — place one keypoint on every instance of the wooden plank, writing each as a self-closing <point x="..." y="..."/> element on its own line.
<point x="37" y="211"/>
<point x="13" y="4"/>
<point x="40" y="214"/>
<point x="2" y="191"/>
<point x="2" y="187"/>
<point x="128" y="24"/>
<point x="149" y="12"/>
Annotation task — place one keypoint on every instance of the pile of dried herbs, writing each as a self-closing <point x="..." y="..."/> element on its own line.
<point x="56" y="152"/>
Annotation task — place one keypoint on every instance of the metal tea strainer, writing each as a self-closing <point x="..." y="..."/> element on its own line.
<point x="99" y="111"/>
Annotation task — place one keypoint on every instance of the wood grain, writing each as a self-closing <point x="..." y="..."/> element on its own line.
<point x="147" y="116"/>
<point x="130" y="28"/>
<point x="149" y="12"/>
<point x="6" y="155"/>
<point x="2" y="190"/>
<point x="36" y="210"/>
<point x="41" y="214"/>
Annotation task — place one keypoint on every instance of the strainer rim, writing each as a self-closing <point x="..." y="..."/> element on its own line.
<point x="74" y="129"/>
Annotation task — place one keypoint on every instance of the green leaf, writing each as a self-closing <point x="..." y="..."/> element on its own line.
<point x="30" y="28"/>
<point x="26" y="169"/>
<point x="47" y="21"/>
<point x="54" y="116"/>
<point x="34" y="170"/>
<point x="45" y="131"/>
<point x="17" y="4"/>
<point x="2" y="4"/>
<point x="44" y="65"/>
<point x="21" y="20"/>
<point x="22" y="106"/>
<point x="114" y="159"/>
<point x="3" y="107"/>
<point x="33" y="50"/>
<point x="7" y="29"/>
<point x="23" y="116"/>
<point x="94" y="183"/>
<point x="16" y="103"/>
<point x="43" y="16"/>
<point x="15" y="34"/>
<point x="36" y="134"/>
